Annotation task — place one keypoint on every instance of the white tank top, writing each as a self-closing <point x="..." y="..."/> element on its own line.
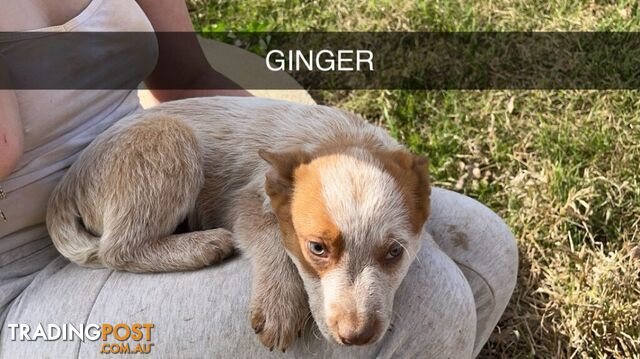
<point x="58" y="125"/>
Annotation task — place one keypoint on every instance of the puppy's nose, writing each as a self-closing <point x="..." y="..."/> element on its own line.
<point x="350" y="335"/>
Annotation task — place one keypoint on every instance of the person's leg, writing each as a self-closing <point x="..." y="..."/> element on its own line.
<point x="205" y="313"/>
<point x="484" y="248"/>
<point x="434" y="310"/>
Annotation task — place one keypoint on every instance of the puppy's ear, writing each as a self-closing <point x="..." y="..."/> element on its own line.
<point x="420" y="167"/>
<point x="279" y="179"/>
<point x="422" y="188"/>
<point x="414" y="181"/>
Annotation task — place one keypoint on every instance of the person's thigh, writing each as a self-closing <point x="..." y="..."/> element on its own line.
<point x="484" y="248"/>
<point x="205" y="313"/>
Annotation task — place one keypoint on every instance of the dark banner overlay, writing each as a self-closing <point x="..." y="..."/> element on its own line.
<point x="389" y="60"/>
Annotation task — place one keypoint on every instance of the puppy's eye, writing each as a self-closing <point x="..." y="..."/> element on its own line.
<point x="394" y="251"/>
<point x="317" y="248"/>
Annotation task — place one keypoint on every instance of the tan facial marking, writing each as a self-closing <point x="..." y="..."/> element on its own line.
<point x="279" y="187"/>
<point x="311" y="220"/>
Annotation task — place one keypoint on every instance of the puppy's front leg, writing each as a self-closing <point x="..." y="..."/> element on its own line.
<point x="279" y="305"/>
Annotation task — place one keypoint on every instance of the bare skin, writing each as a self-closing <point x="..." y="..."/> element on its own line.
<point x="23" y="15"/>
<point x="164" y="15"/>
<point x="11" y="134"/>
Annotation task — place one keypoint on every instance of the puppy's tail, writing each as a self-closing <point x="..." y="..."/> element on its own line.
<point x="67" y="231"/>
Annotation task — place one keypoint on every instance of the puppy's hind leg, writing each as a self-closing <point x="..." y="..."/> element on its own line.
<point x="178" y="252"/>
<point x="155" y="183"/>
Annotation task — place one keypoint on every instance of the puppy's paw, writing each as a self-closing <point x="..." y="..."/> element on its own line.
<point x="278" y="320"/>
<point x="217" y="244"/>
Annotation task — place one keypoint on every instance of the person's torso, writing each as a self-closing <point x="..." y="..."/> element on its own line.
<point x="59" y="124"/>
<point x="27" y="15"/>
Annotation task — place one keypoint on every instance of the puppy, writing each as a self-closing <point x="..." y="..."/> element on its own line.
<point x="329" y="208"/>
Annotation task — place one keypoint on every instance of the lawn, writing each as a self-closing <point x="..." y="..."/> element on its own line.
<point x="561" y="167"/>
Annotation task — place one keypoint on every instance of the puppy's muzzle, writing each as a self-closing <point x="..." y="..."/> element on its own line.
<point x="352" y="328"/>
<point x="350" y="334"/>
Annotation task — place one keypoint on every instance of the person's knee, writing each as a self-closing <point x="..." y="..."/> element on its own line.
<point x="509" y="257"/>
<point x="500" y="271"/>
<point x="475" y="237"/>
<point x="434" y="311"/>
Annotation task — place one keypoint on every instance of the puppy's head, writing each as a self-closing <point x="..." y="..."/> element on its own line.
<point x="351" y="222"/>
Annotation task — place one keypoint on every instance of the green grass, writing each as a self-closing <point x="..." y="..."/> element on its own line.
<point x="561" y="167"/>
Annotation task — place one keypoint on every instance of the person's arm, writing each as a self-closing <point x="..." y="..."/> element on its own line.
<point x="196" y="76"/>
<point x="11" y="132"/>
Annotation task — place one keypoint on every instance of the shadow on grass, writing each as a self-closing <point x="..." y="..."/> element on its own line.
<point x="525" y="331"/>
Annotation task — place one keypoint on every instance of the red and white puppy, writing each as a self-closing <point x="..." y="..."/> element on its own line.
<point x="329" y="208"/>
